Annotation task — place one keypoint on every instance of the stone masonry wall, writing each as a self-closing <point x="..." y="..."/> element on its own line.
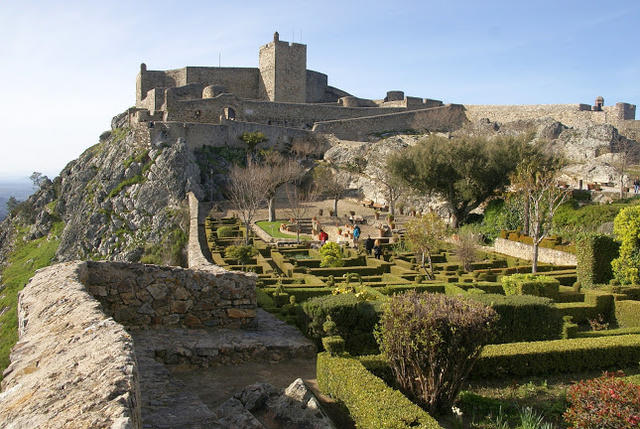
<point x="73" y="366"/>
<point x="142" y="296"/>
<point x="524" y="251"/>
<point x="441" y="119"/>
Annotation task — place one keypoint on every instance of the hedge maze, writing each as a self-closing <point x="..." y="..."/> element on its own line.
<point x="547" y="324"/>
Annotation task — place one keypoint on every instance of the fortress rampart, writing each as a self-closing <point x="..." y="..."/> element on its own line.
<point x="436" y="119"/>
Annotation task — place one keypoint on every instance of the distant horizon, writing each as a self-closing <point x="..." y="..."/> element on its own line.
<point x="76" y="64"/>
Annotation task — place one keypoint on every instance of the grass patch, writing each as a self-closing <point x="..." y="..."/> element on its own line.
<point x="25" y="259"/>
<point x="273" y="229"/>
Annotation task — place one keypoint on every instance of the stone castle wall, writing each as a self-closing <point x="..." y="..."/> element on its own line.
<point x="437" y="119"/>
<point x="73" y="365"/>
<point x="141" y="295"/>
<point x="525" y="251"/>
<point x="299" y="115"/>
<point x="227" y="134"/>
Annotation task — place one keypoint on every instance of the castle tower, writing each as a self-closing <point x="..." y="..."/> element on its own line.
<point x="283" y="71"/>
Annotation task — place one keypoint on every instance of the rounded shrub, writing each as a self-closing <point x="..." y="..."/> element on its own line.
<point x="626" y="227"/>
<point x="431" y="342"/>
<point x="331" y="255"/>
<point x="225" y="232"/>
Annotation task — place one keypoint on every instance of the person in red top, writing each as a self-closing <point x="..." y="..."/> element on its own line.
<point x="323" y="237"/>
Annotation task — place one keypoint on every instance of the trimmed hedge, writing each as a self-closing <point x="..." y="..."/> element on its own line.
<point x="595" y="303"/>
<point x="594" y="254"/>
<point x="530" y="284"/>
<point x="628" y="313"/>
<point x="371" y="403"/>
<point x="355" y="320"/>
<point x="608" y="332"/>
<point x="522" y="317"/>
<point x="558" y="356"/>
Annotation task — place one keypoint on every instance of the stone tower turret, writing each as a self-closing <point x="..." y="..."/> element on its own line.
<point x="283" y="71"/>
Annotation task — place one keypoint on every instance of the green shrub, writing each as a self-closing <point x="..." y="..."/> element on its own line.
<point x="570" y="219"/>
<point x="419" y="332"/>
<point x="557" y="356"/>
<point x="530" y="284"/>
<point x="226" y="231"/>
<point x="243" y="254"/>
<point x="331" y="255"/>
<point x="627" y="313"/>
<point x="355" y="320"/>
<point x="626" y="227"/>
<point x="594" y="253"/>
<point x="334" y="345"/>
<point x="569" y="329"/>
<point x="371" y="403"/>
<point x="522" y="317"/>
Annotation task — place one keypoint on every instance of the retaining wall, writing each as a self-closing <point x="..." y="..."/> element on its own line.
<point x="525" y="251"/>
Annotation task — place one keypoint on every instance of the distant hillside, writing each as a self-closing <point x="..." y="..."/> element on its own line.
<point x="19" y="189"/>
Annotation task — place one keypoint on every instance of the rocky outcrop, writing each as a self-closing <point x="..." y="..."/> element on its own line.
<point x="73" y="366"/>
<point x="262" y="406"/>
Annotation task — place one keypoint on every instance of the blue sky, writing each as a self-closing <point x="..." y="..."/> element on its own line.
<point x="68" y="67"/>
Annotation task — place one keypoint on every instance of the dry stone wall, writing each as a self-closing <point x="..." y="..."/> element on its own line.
<point x="73" y="366"/>
<point x="525" y="251"/>
<point x="143" y="296"/>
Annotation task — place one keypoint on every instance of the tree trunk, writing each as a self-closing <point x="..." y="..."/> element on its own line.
<point x="335" y="207"/>
<point x="392" y="208"/>
<point x="272" y="209"/>
<point x="621" y="187"/>
<point x="246" y="237"/>
<point x="430" y="266"/>
<point x="526" y="216"/>
<point x="534" y="261"/>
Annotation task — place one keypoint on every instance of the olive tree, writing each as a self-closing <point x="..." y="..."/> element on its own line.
<point x="424" y="234"/>
<point x="464" y="171"/>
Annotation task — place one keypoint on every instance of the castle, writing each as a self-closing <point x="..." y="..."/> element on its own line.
<point x="284" y="100"/>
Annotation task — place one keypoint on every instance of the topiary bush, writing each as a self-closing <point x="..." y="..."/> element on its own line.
<point x="594" y="253"/>
<point x="604" y="402"/>
<point x="522" y="317"/>
<point x="354" y="320"/>
<point x="226" y="232"/>
<point x="626" y="227"/>
<point x="243" y="254"/>
<point x="431" y="342"/>
<point x="531" y="284"/>
<point x="331" y="255"/>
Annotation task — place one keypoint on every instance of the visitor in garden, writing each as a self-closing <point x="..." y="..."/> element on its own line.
<point x="377" y="249"/>
<point x="356" y="236"/>
<point x="368" y="244"/>
<point x="636" y="184"/>
<point x="323" y="237"/>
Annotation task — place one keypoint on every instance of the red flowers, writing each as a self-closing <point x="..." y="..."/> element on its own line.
<point x="604" y="402"/>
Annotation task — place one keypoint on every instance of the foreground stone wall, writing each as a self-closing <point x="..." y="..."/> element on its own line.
<point x="525" y="251"/>
<point x="141" y="295"/>
<point x="73" y="366"/>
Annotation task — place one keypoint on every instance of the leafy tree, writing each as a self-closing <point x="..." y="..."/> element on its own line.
<point x="465" y="171"/>
<point x="252" y="140"/>
<point x="466" y="246"/>
<point x="424" y="235"/>
<point x="329" y="185"/>
<point x="626" y="227"/>
<point x="37" y="179"/>
<point x="12" y="203"/>
<point x="431" y="342"/>
<point x="536" y="178"/>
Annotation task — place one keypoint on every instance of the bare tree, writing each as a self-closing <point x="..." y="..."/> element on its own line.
<point x="329" y="185"/>
<point x="626" y="152"/>
<point x="537" y="178"/>
<point x="299" y="200"/>
<point x="393" y="186"/>
<point x="280" y="170"/>
<point x="247" y="191"/>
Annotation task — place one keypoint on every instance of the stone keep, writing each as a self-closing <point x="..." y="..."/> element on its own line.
<point x="283" y="71"/>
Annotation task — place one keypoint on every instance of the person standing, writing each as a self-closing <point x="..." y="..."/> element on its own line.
<point x="368" y="244"/>
<point x="636" y="184"/>
<point x="323" y="237"/>
<point x="377" y="249"/>
<point x="356" y="235"/>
